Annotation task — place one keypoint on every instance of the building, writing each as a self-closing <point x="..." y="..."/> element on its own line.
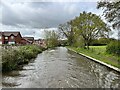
<point x="25" y="41"/>
<point x="10" y="38"/>
<point x="0" y="37"/>
<point x="40" y="42"/>
<point x="31" y="39"/>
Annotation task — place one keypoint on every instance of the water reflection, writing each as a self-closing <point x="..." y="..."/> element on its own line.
<point x="60" y="68"/>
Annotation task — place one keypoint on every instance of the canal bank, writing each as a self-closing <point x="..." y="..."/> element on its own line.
<point x="61" y="68"/>
<point x="98" y="61"/>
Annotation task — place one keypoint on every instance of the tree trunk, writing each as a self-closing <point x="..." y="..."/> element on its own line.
<point x="87" y="45"/>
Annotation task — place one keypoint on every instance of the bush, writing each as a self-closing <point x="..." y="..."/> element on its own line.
<point x="13" y="57"/>
<point x="100" y="42"/>
<point x="9" y="58"/>
<point x="113" y="48"/>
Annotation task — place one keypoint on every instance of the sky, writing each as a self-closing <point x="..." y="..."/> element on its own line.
<point x="32" y="17"/>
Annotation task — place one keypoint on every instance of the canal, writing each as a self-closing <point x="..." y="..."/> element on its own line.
<point x="61" y="68"/>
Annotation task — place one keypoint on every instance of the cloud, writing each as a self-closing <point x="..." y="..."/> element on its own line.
<point x="38" y="14"/>
<point x="54" y="0"/>
<point x="37" y="33"/>
<point x="28" y="16"/>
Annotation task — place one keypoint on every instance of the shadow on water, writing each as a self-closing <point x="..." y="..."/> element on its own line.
<point x="61" y="68"/>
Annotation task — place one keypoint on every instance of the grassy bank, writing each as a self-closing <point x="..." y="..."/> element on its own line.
<point x="14" y="58"/>
<point x="99" y="53"/>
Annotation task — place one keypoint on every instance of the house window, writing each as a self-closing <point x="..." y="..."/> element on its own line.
<point x="12" y="37"/>
<point x="6" y="37"/>
<point x="11" y="43"/>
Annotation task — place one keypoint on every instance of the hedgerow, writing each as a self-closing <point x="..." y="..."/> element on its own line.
<point x="113" y="48"/>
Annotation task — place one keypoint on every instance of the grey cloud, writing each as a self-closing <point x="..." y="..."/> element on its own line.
<point x="29" y="17"/>
<point x="40" y="4"/>
<point x="9" y="17"/>
<point x="38" y="14"/>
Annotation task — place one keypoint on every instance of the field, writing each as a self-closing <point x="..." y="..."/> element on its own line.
<point x="99" y="52"/>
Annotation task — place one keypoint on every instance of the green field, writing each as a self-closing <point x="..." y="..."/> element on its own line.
<point x="99" y="52"/>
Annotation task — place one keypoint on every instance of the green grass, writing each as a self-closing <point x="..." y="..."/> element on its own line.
<point x="99" y="53"/>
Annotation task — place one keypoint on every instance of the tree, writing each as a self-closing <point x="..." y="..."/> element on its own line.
<point x="89" y="26"/>
<point x="51" y="38"/>
<point x="111" y="11"/>
<point x="67" y="31"/>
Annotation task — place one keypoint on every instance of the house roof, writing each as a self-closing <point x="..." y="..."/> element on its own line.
<point x="10" y="33"/>
<point x="29" y="38"/>
<point x="26" y="40"/>
<point x="39" y="39"/>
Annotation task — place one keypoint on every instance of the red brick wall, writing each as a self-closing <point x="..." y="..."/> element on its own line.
<point x="18" y="39"/>
<point x="3" y="39"/>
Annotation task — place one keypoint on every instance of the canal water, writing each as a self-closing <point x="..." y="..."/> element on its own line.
<point x="61" y="68"/>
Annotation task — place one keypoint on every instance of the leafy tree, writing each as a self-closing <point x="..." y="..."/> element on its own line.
<point x="67" y="31"/>
<point x="89" y="26"/>
<point x="113" y="48"/>
<point x="111" y="11"/>
<point x="51" y="38"/>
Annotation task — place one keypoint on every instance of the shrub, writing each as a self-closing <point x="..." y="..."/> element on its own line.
<point x="113" y="48"/>
<point x="13" y="57"/>
<point x="100" y="42"/>
<point x="9" y="59"/>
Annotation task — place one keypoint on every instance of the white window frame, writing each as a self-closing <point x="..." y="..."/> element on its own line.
<point x="6" y="37"/>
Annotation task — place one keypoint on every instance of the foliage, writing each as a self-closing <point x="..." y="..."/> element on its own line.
<point x="89" y="26"/>
<point x="100" y="41"/>
<point x="51" y="38"/>
<point x="111" y="11"/>
<point x="113" y="47"/>
<point x="12" y="58"/>
<point x="68" y="32"/>
<point x="83" y="29"/>
<point x="63" y="43"/>
<point x="78" y="42"/>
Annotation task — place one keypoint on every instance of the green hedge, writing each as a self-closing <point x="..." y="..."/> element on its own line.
<point x="12" y="58"/>
<point x="102" y="41"/>
<point x="113" y="48"/>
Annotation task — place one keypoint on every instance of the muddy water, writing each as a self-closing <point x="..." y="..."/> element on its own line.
<point x="60" y="68"/>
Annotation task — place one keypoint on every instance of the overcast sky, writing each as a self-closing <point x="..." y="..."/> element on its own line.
<point x="29" y="16"/>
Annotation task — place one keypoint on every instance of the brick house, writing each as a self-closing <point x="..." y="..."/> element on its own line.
<point x="0" y="37"/>
<point x="10" y="38"/>
<point x="30" y="39"/>
<point x="25" y="41"/>
<point x="40" y="42"/>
